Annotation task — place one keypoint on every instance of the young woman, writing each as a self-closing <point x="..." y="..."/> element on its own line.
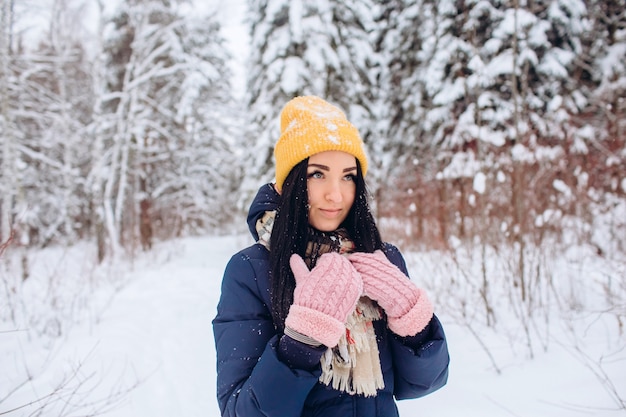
<point x="319" y="317"/>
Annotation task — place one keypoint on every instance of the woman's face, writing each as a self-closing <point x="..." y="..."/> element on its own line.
<point x="331" y="188"/>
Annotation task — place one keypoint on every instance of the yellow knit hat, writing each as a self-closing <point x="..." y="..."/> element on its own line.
<point x="310" y="125"/>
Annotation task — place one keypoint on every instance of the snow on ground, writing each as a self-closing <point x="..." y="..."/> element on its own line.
<point x="149" y="351"/>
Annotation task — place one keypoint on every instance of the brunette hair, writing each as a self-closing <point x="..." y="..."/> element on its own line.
<point x="290" y="234"/>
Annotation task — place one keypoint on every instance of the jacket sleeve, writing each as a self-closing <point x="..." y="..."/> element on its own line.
<point x="420" y="361"/>
<point x="251" y="380"/>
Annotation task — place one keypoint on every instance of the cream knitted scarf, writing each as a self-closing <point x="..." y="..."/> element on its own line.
<point x="353" y="366"/>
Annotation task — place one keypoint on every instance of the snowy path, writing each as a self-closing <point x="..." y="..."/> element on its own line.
<point x="157" y="333"/>
<point x="172" y="331"/>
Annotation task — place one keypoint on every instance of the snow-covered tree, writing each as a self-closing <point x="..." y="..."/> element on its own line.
<point x="410" y="33"/>
<point x="427" y="51"/>
<point x="55" y="108"/>
<point x="198" y="189"/>
<point x="323" y="48"/>
<point x="49" y="107"/>
<point x="491" y="90"/>
<point x="604" y="125"/>
<point x="158" y="124"/>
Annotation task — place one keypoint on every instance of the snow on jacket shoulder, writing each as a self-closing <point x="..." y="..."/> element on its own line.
<point x="251" y="379"/>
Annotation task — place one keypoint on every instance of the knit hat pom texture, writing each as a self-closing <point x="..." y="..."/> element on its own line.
<point x="310" y="125"/>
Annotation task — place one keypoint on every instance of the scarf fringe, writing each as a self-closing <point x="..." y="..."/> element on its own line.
<point x="354" y="365"/>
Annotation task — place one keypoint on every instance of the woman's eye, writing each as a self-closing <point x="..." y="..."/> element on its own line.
<point x="350" y="177"/>
<point x="316" y="174"/>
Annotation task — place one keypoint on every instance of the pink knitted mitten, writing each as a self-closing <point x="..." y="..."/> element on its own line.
<point x="408" y="308"/>
<point x="324" y="297"/>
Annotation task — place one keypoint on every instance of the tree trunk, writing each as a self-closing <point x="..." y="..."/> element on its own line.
<point x="145" y="223"/>
<point x="517" y="189"/>
<point x="7" y="176"/>
<point x="96" y="190"/>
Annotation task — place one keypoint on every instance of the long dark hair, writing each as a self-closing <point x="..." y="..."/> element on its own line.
<point x="290" y="234"/>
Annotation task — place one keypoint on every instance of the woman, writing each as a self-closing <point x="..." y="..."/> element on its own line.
<point x="319" y="317"/>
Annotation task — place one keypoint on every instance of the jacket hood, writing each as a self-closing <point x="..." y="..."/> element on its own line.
<point x="266" y="199"/>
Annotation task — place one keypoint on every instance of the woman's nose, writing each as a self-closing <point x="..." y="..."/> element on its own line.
<point x="333" y="193"/>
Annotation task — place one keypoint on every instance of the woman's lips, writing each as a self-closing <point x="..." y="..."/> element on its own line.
<point x="331" y="212"/>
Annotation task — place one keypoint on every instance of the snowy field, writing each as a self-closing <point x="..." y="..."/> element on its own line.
<point x="136" y="340"/>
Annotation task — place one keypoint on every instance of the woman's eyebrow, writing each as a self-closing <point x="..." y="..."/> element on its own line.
<point x="320" y="166"/>
<point x="324" y="167"/>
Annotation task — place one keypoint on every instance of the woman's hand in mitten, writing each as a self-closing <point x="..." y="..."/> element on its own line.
<point x="408" y="308"/>
<point x="324" y="297"/>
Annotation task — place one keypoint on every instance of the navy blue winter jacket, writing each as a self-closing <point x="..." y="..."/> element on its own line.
<point x="253" y="378"/>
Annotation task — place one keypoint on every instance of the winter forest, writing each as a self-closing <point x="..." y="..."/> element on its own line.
<point x="496" y="132"/>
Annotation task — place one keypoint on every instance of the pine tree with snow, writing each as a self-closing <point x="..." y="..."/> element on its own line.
<point x="603" y="126"/>
<point x="321" y="48"/>
<point x="404" y="30"/>
<point x="493" y="90"/>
